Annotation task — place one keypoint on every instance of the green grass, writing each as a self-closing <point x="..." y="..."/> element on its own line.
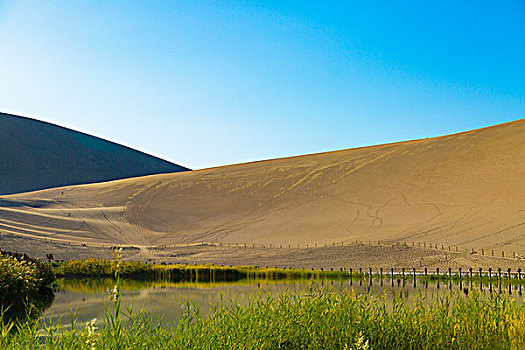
<point x="316" y="319"/>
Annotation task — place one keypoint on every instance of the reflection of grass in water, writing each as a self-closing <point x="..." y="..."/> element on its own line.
<point x="102" y="285"/>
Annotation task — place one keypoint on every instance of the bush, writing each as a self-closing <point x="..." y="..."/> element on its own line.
<point x="23" y="282"/>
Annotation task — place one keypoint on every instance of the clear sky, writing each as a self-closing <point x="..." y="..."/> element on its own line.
<point x="206" y="83"/>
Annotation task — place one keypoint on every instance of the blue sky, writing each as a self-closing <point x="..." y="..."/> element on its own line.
<point x="206" y="83"/>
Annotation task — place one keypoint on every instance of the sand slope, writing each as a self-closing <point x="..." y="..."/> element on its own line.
<point x="36" y="155"/>
<point x="465" y="189"/>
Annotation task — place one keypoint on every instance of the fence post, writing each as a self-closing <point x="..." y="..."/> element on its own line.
<point x="437" y="272"/>
<point x="449" y="273"/>
<point x="381" y="273"/>
<point x="492" y="252"/>
<point x="426" y="273"/>
<point x="459" y="270"/>
<point x="480" y="273"/>
<point x="482" y="251"/>
<point x="403" y="273"/>
<point x="519" y="273"/>
<point x="490" y="273"/>
<point x="503" y="253"/>
<point x="414" y="272"/>
<point x="392" y="273"/>
<point x="508" y="273"/>
<point x="470" y="271"/>
<point x="499" y="274"/>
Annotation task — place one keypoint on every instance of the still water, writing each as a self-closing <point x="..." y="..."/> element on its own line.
<point x="89" y="298"/>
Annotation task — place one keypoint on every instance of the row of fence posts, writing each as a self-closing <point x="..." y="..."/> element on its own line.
<point x="404" y="275"/>
<point x="307" y="246"/>
<point x="460" y="273"/>
<point x="450" y="248"/>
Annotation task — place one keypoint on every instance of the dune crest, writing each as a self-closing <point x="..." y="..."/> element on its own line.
<point x="37" y="155"/>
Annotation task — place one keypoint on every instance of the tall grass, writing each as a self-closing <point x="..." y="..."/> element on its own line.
<point x="315" y="319"/>
<point x="177" y="272"/>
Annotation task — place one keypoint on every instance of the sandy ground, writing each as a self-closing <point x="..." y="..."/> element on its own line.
<point x="466" y="191"/>
<point x="354" y="256"/>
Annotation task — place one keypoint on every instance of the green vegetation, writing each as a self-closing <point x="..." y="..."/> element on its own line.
<point x="23" y="281"/>
<point x="102" y="284"/>
<point x="316" y="319"/>
<point x="193" y="273"/>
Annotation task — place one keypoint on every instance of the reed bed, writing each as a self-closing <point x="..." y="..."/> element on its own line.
<point x="178" y="272"/>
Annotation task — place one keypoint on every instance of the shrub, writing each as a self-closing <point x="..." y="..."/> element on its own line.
<point x="23" y="282"/>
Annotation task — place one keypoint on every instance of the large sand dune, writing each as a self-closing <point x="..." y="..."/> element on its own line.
<point x="465" y="189"/>
<point x="35" y="155"/>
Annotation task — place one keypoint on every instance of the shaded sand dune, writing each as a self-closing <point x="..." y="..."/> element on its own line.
<point x="35" y="155"/>
<point x="465" y="189"/>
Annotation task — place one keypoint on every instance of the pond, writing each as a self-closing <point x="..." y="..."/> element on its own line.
<point x="88" y="298"/>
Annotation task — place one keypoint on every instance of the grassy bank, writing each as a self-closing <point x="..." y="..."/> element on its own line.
<point x="208" y="272"/>
<point x="317" y="319"/>
<point x="216" y="273"/>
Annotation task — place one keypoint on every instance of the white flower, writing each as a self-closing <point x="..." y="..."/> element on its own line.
<point x="114" y="294"/>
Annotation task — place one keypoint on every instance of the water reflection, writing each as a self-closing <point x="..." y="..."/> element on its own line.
<point x="90" y="296"/>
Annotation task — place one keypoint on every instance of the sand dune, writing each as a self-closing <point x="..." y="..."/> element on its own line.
<point x="465" y="189"/>
<point x="36" y="155"/>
